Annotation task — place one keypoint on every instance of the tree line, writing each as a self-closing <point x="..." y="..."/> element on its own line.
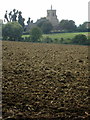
<point x="45" y="25"/>
<point x="15" y="27"/>
<point x="16" y="15"/>
<point x="13" y="31"/>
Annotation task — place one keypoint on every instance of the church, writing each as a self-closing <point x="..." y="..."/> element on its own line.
<point x="52" y="17"/>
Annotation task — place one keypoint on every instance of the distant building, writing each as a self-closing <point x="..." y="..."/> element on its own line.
<point x="52" y="17"/>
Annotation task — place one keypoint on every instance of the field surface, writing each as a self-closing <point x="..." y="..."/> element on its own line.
<point x="45" y="81"/>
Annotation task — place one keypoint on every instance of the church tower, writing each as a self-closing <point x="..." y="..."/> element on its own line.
<point x="52" y="17"/>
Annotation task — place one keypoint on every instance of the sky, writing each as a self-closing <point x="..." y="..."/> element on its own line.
<point x="76" y="10"/>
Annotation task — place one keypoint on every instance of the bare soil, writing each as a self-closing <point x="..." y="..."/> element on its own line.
<point x="45" y="81"/>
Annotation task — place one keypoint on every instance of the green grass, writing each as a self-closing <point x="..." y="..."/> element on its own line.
<point x="61" y="35"/>
<point x="56" y="37"/>
<point x="64" y="35"/>
<point x="25" y="36"/>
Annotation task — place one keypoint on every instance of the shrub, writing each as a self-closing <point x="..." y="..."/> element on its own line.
<point x="56" y="40"/>
<point x="62" y="40"/>
<point x="12" y="31"/>
<point x="80" y="39"/>
<point x="36" y="34"/>
<point x="27" y="39"/>
<point x="48" y="40"/>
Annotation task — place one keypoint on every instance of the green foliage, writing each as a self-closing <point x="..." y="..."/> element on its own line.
<point x="65" y="35"/>
<point x="67" y="25"/>
<point x="21" y="19"/>
<point x="27" y="39"/>
<point x="61" y="38"/>
<point x="46" y="27"/>
<point x="12" y="31"/>
<point x="40" y="22"/>
<point x="14" y="15"/>
<point x="47" y="40"/>
<point x="83" y="27"/>
<point x="80" y="39"/>
<point x="35" y="34"/>
<point x="56" y="40"/>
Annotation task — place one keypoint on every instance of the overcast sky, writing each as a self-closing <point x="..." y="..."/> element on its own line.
<point x="76" y="10"/>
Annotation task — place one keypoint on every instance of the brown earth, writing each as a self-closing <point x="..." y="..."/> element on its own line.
<point x="45" y="81"/>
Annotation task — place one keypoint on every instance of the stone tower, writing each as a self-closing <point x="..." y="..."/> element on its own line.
<point x="52" y="17"/>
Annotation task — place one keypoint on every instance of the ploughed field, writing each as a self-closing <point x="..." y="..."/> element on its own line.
<point x="45" y="81"/>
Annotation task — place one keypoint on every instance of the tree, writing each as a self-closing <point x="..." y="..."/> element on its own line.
<point x="45" y="25"/>
<point x="67" y="25"/>
<point x="36" y="34"/>
<point x="28" y="22"/>
<point x="21" y="19"/>
<point x="80" y="39"/>
<point x="6" y="17"/>
<point x="12" y="31"/>
<point x="85" y="27"/>
<point x="40" y="21"/>
<point x="13" y="15"/>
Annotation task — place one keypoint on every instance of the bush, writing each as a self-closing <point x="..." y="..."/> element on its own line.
<point x="80" y="39"/>
<point x="48" y="40"/>
<point x="35" y="34"/>
<point x="27" y="39"/>
<point x="62" y="40"/>
<point x="55" y="40"/>
<point x="12" y="31"/>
